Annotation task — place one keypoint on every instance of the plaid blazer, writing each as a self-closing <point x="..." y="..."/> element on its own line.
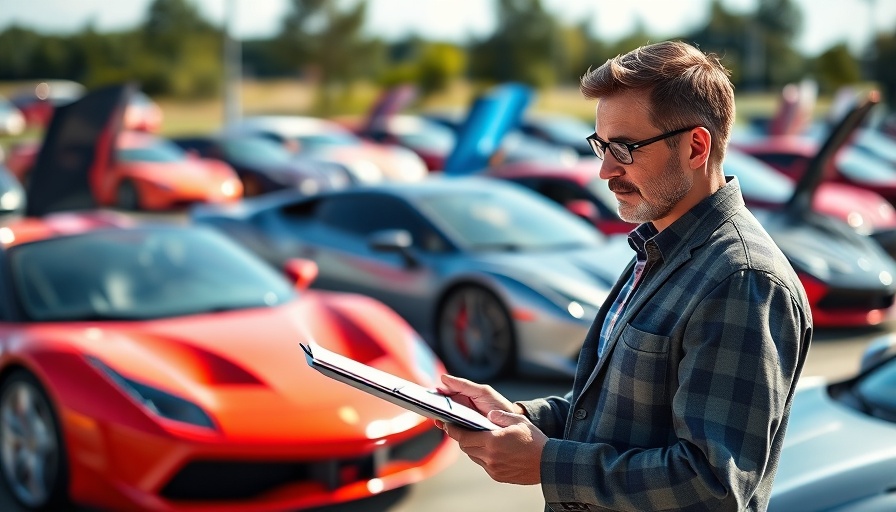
<point x="687" y="408"/>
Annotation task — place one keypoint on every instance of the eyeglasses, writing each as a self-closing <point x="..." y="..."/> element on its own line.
<point x="622" y="151"/>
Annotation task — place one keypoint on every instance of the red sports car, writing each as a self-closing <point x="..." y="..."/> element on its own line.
<point x="159" y="368"/>
<point x="148" y="172"/>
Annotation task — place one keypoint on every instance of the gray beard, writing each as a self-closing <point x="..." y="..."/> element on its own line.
<point x="670" y="188"/>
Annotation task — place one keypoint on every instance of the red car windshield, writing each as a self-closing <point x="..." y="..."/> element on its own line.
<point x="140" y="274"/>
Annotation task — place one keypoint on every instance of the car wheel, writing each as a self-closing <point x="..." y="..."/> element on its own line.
<point x="32" y="454"/>
<point x="127" y="197"/>
<point x="475" y="335"/>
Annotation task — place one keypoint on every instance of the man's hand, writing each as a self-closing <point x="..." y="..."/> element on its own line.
<point x="511" y="454"/>
<point x="476" y="396"/>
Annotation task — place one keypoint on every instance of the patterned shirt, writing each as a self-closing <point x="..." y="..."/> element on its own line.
<point x="637" y="239"/>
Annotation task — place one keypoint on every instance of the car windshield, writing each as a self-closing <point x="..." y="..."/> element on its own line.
<point x="877" y="391"/>
<point x="878" y="144"/>
<point x="566" y="128"/>
<point x="758" y="181"/>
<point x="256" y="151"/>
<point x="507" y="219"/>
<point x="428" y="136"/>
<point x="159" y="150"/>
<point x="323" y="140"/>
<point x="863" y="167"/>
<point x="139" y="274"/>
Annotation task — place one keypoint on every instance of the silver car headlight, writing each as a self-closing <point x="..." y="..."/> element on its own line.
<point x="159" y="402"/>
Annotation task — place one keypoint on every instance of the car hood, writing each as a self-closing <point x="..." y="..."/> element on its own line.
<point x="585" y="274"/>
<point x="246" y="370"/>
<point x="832" y="454"/>
<point x="864" y="210"/>
<point x="829" y="250"/>
<point x="190" y="175"/>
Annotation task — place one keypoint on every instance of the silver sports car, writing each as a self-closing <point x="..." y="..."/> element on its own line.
<point x="840" y="449"/>
<point x="497" y="278"/>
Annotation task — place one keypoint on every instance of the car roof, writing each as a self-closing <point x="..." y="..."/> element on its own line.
<point x="290" y="126"/>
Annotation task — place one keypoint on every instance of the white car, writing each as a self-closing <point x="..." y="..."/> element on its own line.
<point x="840" y="449"/>
<point x="327" y="140"/>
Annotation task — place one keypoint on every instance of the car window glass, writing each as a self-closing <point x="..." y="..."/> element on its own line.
<point x="256" y="150"/>
<point x="507" y="218"/>
<point x="139" y="274"/>
<point x="560" y="191"/>
<point x="864" y="167"/>
<point x="878" y="391"/>
<point x="158" y="150"/>
<point x="365" y="214"/>
<point x="758" y="181"/>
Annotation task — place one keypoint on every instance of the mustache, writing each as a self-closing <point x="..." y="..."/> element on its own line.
<point x="617" y="185"/>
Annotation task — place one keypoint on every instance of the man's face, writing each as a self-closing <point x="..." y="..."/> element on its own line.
<point x="655" y="182"/>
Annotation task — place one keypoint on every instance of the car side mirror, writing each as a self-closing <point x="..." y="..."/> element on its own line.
<point x="584" y="209"/>
<point x="879" y="350"/>
<point x="393" y="240"/>
<point x="301" y="272"/>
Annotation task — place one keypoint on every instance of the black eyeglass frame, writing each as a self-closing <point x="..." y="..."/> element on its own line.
<point x="599" y="146"/>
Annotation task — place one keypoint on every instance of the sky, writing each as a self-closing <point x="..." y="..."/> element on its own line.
<point x="825" y="22"/>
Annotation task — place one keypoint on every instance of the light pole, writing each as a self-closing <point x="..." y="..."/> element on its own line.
<point x="232" y="67"/>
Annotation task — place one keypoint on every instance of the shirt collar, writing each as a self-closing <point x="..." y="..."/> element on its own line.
<point x="666" y="240"/>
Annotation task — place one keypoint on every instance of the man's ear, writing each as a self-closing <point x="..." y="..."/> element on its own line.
<point x="699" y="145"/>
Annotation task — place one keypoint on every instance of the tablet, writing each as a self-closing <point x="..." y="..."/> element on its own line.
<point x="401" y="392"/>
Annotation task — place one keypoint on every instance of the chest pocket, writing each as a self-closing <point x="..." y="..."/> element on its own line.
<point x="641" y="369"/>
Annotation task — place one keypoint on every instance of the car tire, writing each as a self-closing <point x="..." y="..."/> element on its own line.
<point x="127" y="198"/>
<point x="475" y="335"/>
<point x="32" y="454"/>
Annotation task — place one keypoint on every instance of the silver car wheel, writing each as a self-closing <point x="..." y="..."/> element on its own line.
<point x="29" y="447"/>
<point x="476" y="335"/>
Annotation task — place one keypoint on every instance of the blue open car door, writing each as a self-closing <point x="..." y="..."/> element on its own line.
<point x="491" y="117"/>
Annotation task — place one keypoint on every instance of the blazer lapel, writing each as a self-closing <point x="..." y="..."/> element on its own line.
<point x="643" y="293"/>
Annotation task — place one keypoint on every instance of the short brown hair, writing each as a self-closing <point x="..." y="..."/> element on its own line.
<point x="685" y="87"/>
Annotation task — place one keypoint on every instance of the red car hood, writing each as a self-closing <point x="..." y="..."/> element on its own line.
<point x="864" y="210"/>
<point x="186" y="175"/>
<point x="246" y="369"/>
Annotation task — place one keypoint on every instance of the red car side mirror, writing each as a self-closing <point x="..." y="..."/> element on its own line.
<point x="301" y="272"/>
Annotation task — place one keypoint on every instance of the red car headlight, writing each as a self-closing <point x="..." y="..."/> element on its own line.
<point x="160" y="403"/>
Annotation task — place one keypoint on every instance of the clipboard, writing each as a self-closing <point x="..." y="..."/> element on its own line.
<point x="401" y="392"/>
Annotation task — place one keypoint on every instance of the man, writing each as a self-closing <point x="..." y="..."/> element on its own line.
<point x="685" y="380"/>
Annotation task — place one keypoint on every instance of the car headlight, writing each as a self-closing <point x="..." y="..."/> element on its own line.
<point x="228" y="187"/>
<point x="10" y="200"/>
<point x="161" y="403"/>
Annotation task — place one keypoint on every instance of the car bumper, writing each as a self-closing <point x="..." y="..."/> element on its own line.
<point x="118" y="468"/>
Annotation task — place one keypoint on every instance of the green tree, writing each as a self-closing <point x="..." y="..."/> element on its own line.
<point x="325" y="42"/>
<point x="835" y="68"/>
<point x="882" y="66"/>
<point x="779" y="22"/>
<point x="523" y="48"/>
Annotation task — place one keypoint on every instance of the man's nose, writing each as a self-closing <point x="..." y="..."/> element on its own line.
<point x="610" y="168"/>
